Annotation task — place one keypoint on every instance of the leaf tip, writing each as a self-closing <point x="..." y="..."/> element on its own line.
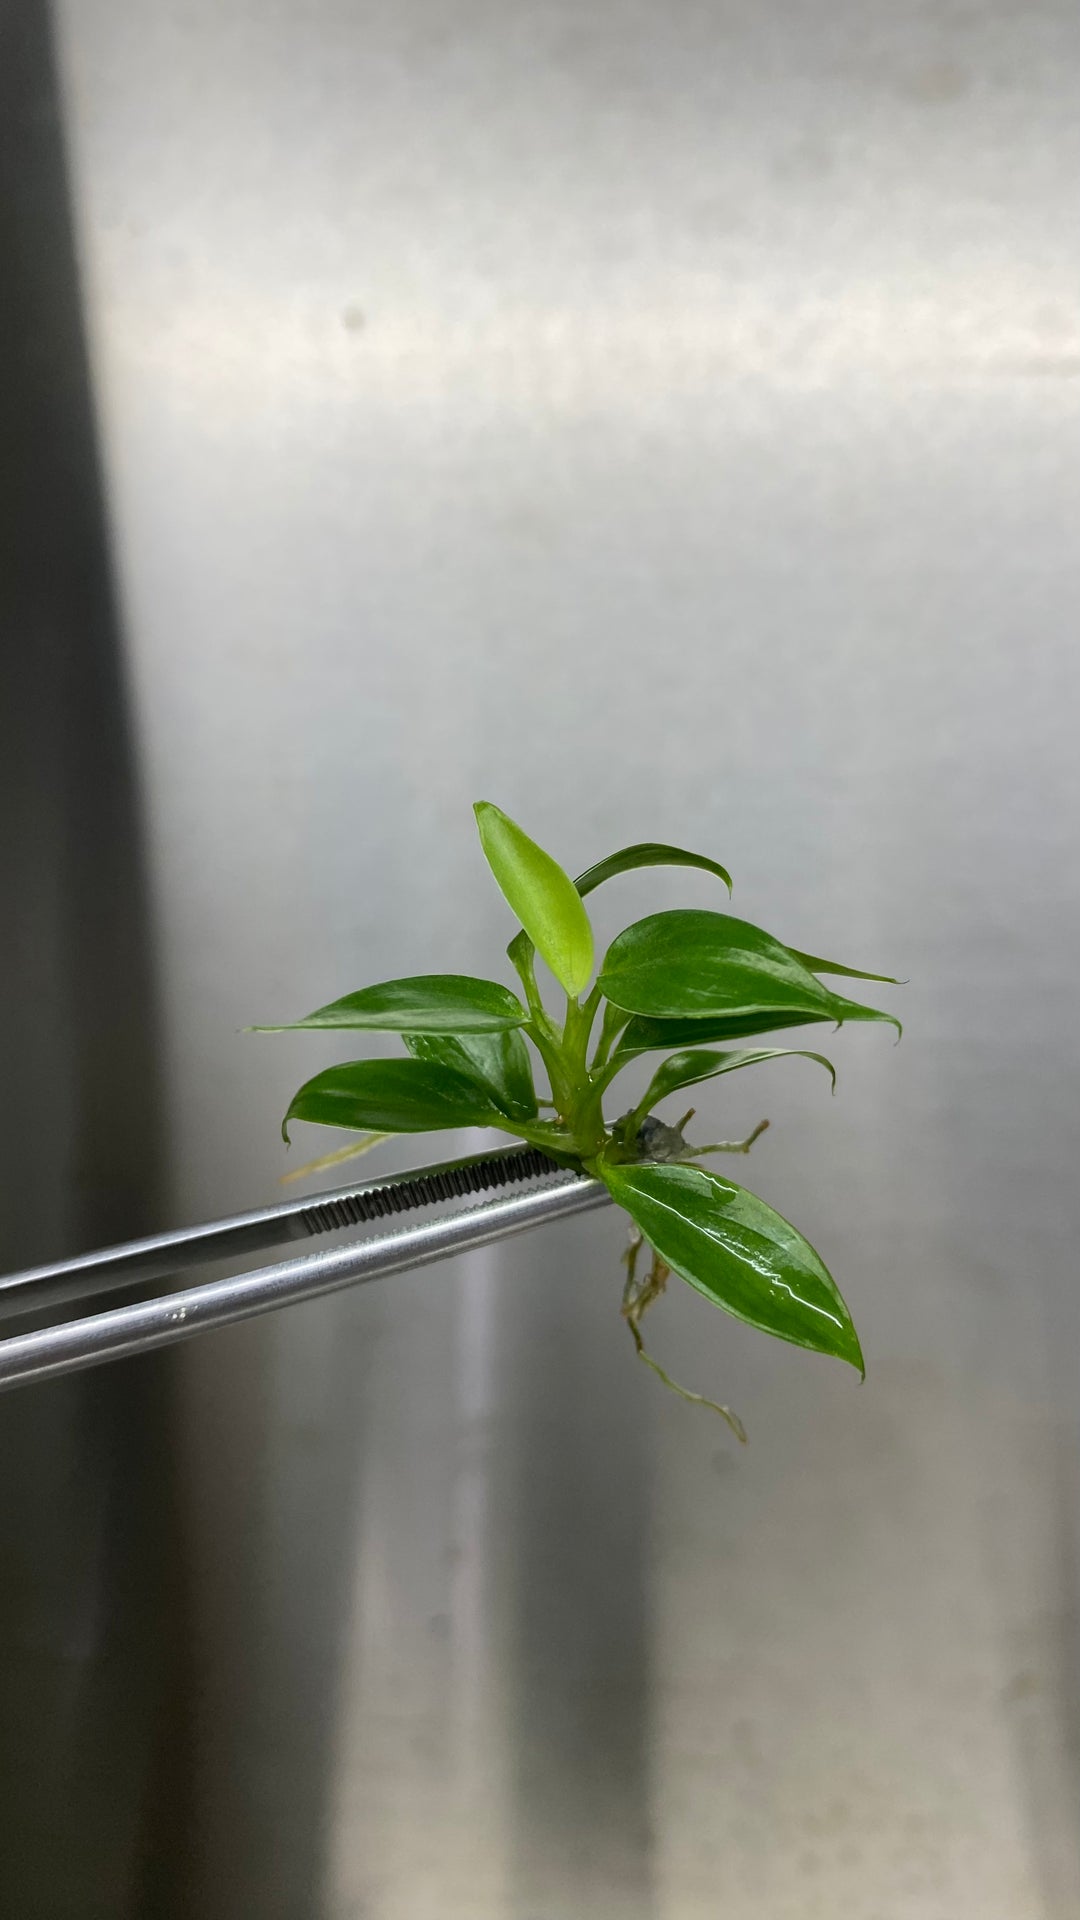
<point x="853" y="1354"/>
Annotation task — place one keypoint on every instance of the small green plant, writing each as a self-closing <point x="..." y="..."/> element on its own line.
<point x="676" y="982"/>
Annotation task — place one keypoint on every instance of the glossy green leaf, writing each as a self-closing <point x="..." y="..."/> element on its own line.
<point x="695" y="966"/>
<point x="687" y="1069"/>
<point x="642" y="1035"/>
<point x="427" y="1003"/>
<point x="845" y="1010"/>
<point x="833" y="966"/>
<point x="737" y="1252"/>
<point x="648" y="853"/>
<point x="497" y="1063"/>
<point x="391" y="1096"/>
<point x="689" y="963"/>
<point x="651" y="1036"/>
<point x="543" y="897"/>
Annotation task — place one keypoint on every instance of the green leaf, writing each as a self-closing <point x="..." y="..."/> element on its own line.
<point x="690" y="965"/>
<point x="647" y="853"/>
<point x="737" y="1252"/>
<point x="391" y="1096"/>
<point x="687" y="1069"/>
<point x="833" y="966"/>
<point x="651" y="1036"/>
<point x="846" y="1010"/>
<point x="693" y="963"/>
<point x="497" y="1063"/>
<point x="427" y="1003"/>
<point x="543" y="897"/>
<point x="642" y="1035"/>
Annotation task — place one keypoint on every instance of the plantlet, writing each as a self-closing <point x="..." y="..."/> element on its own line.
<point x="686" y="983"/>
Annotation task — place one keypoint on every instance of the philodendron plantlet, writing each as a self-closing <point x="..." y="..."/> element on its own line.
<point x="687" y="984"/>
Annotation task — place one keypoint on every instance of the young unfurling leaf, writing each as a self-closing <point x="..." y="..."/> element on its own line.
<point x="544" y="898"/>
<point x="647" y="853"/>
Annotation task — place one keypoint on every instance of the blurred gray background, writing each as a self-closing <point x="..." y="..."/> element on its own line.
<point x="662" y="421"/>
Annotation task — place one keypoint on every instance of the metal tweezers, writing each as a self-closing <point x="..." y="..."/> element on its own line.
<point x="553" y="1192"/>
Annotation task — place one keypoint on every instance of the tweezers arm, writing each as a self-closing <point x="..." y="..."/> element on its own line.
<point x="164" y="1254"/>
<point x="140" y="1328"/>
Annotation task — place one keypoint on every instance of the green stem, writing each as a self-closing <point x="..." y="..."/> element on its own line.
<point x="613" y="1022"/>
<point x="604" y="1072"/>
<point x="522" y="956"/>
<point x="552" y="1139"/>
<point x="589" y="1011"/>
<point x="585" y="1114"/>
<point x="545" y="1038"/>
<point x="540" y="1027"/>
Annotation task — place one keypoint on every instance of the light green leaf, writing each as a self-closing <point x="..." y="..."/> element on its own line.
<point x="647" y="853"/>
<point x="687" y="1069"/>
<point x="543" y="897"/>
<point x="426" y="1003"/>
<point x="391" y="1096"/>
<point x="497" y="1063"/>
<point x="738" y="1252"/>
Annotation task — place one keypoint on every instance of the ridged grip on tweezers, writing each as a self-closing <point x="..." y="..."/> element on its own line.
<point x="141" y="1327"/>
<point x="404" y="1193"/>
<point x="163" y="1254"/>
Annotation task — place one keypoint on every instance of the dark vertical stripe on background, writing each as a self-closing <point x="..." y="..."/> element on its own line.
<point x="91" y="1674"/>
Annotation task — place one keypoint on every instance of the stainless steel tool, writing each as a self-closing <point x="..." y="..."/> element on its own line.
<point x="548" y="1192"/>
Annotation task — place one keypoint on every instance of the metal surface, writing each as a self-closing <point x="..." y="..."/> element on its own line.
<point x="155" y="1255"/>
<point x="126" y="1331"/>
<point x="664" y="422"/>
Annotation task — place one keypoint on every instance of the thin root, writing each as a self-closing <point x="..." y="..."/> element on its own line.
<point x="630" y="1260"/>
<point x="686" y="1393"/>
<point x="636" y="1303"/>
<point x="351" y="1152"/>
<point x="730" y="1146"/>
<point x="637" y="1300"/>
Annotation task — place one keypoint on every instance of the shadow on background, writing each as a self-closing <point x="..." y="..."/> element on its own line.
<point x="581" y="1668"/>
<point x="91" y="1736"/>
